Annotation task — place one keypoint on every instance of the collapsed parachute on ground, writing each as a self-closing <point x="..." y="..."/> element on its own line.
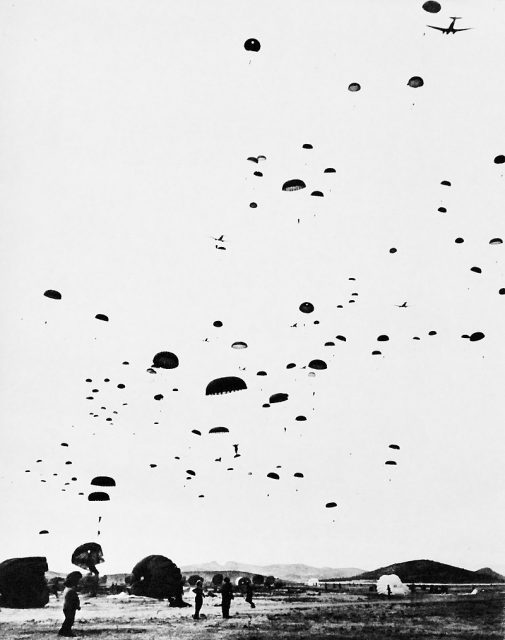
<point x="103" y="481"/>
<point x="225" y="385"/>
<point x="87" y="556"/>
<point x="165" y="360"/>
<point x="391" y="585"/>
<point x="23" y="584"/>
<point x="158" y="577"/>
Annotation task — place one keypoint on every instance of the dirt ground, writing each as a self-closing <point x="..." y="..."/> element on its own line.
<point x="279" y="616"/>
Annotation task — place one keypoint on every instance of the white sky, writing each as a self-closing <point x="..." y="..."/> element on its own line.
<point x="125" y="128"/>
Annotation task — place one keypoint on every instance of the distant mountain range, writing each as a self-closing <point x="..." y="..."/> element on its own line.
<point x="412" y="571"/>
<point x="290" y="572"/>
<point x="431" y="571"/>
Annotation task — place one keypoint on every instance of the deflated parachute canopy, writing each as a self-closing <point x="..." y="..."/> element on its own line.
<point x="391" y="585"/>
<point x="165" y="360"/>
<point x="158" y="577"/>
<point x="87" y="556"/>
<point x="103" y="481"/>
<point x="225" y="385"/>
<point x="23" y="584"/>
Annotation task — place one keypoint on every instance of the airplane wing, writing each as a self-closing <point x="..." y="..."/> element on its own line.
<point x="438" y="28"/>
<point x="467" y="29"/>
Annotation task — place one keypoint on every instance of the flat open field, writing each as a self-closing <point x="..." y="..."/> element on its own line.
<point x="279" y="616"/>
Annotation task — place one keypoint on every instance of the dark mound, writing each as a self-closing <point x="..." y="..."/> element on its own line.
<point x="23" y="584"/>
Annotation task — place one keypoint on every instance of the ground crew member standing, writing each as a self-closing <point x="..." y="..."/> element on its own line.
<point x="226" y="597"/>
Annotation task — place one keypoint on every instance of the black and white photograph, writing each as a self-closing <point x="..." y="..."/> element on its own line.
<point x="252" y="331"/>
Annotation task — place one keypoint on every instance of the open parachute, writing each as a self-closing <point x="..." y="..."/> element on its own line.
<point x="391" y="585"/>
<point x="87" y="556"/>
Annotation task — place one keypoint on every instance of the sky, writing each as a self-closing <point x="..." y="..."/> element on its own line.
<point x="125" y="132"/>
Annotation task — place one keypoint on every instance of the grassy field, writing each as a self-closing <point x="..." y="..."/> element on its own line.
<point x="280" y="616"/>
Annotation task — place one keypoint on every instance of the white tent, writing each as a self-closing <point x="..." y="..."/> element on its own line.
<point x="396" y="586"/>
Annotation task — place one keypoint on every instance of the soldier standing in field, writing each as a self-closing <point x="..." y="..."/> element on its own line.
<point x="226" y="597"/>
<point x="71" y="603"/>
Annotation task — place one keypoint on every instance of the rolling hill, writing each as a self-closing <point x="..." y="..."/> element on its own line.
<point x="431" y="571"/>
<point x="290" y="572"/>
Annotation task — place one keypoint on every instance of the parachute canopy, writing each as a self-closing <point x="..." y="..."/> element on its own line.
<point x="158" y="577"/>
<point x="102" y="316"/>
<point x="396" y="586"/>
<point x="317" y="364"/>
<point x="278" y="397"/>
<point x="306" y="307"/>
<point x="103" y="481"/>
<point x="54" y="295"/>
<point x="415" y="82"/>
<point x="354" y="86"/>
<point x="87" y="556"/>
<point x="219" y="430"/>
<point x="225" y="385"/>
<point x="293" y="185"/>
<point x="252" y="45"/>
<point x="165" y="360"/>
<point x="239" y="345"/>
<point x="98" y="496"/>
<point x="273" y="475"/>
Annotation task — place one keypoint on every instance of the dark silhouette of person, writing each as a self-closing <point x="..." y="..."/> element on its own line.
<point x="71" y="603"/>
<point x="249" y="595"/>
<point x="198" y="590"/>
<point x="389" y="591"/>
<point x="226" y="597"/>
<point x="54" y="590"/>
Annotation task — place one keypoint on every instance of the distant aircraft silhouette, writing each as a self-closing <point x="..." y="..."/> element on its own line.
<point x="220" y="239"/>
<point x="402" y="306"/>
<point x="450" y="28"/>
